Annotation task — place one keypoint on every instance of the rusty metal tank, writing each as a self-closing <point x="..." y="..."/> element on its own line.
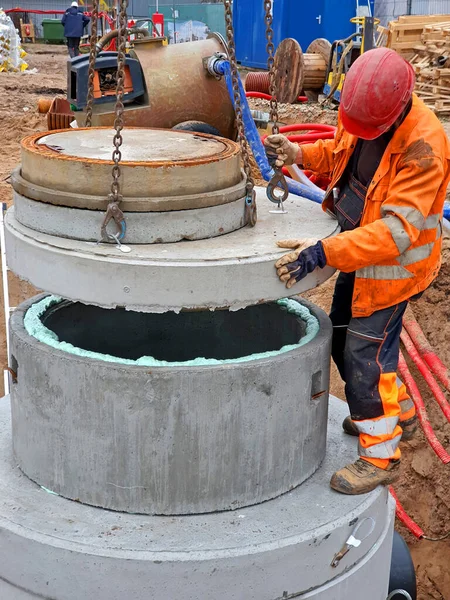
<point x="178" y="88"/>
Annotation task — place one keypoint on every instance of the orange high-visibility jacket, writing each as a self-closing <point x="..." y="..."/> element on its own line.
<point x="396" y="251"/>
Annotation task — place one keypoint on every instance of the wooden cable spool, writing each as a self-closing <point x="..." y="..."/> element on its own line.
<point x="295" y="71"/>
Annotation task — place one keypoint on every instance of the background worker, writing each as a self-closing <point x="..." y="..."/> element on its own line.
<point x="74" y="21"/>
<point x="390" y="167"/>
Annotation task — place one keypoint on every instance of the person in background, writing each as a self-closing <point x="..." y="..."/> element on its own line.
<point x="74" y="22"/>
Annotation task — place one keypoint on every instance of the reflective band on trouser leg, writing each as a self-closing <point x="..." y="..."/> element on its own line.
<point x="407" y="406"/>
<point x="383" y="449"/>
<point x="377" y="427"/>
<point x="381" y="444"/>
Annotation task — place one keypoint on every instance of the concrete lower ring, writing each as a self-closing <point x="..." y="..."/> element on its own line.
<point x="56" y="549"/>
<point x="142" y="228"/>
<point x="170" y="439"/>
<point x="233" y="271"/>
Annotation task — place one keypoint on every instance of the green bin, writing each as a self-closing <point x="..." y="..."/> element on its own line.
<point x="53" y="31"/>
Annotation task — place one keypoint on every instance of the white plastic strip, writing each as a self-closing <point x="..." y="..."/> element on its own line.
<point x="6" y="308"/>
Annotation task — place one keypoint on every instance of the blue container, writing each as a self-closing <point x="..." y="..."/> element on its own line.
<point x="303" y="20"/>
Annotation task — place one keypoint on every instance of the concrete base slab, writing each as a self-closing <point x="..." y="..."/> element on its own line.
<point x="234" y="271"/>
<point x="61" y="550"/>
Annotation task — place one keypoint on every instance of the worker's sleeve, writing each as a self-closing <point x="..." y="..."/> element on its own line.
<point x="85" y="20"/>
<point x="403" y="215"/>
<point x="319" y="157"/>
<point x="63" y="20"/>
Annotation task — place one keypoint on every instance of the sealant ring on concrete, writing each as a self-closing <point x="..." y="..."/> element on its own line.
<point x="155" y="162"/>
<point x="142" y="227"/>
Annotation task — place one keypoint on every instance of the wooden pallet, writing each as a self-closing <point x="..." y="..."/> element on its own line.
<point x="406" y="32"/>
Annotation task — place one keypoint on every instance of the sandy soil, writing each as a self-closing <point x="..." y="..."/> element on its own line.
<point x="425" y="485"/>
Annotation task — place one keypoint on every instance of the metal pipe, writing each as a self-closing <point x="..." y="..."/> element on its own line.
<point x="103" y="41"/>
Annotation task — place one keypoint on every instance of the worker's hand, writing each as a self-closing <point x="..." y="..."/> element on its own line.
<point x="307" y="256"/>
<point x="286" y="152"/>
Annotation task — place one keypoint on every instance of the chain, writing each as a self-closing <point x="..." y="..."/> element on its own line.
<point x="113" y="211"/>
<point x="245" y="149"/>
<point x="92" y="57"/>
<point x="270" y="49"/>
<point x="119" y="108"/>
<point x="278" y="180"/>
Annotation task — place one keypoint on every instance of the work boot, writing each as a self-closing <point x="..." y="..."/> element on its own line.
<point x="363" y="477"/>
<point x="409" y="428"/>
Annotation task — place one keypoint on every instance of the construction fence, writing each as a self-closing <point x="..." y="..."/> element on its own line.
<point x="387" y="10"/>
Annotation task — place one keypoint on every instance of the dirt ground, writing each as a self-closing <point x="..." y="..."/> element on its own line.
<point x="425" y="485"/>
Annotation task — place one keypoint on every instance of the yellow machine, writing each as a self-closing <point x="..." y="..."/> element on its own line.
<point x="345" y="52"/>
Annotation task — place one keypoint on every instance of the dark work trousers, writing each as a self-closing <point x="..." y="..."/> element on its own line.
<point x="73" y="44"/>
<point x="364" y="350"/>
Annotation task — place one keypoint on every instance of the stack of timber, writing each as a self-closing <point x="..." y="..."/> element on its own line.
<point x="431" y="62"/>
<point x="406" y="32"/>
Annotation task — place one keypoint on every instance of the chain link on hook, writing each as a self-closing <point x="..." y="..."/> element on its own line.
<point x="278" y="180"/>
<point x="250" y="200"/>
<point x="113" y="211"/>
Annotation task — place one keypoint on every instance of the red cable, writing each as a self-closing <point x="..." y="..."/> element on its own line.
<point x="263" y="96"/>
<point x="405" y="518"/>
<point x="428" y="376"/>
<point x="425" y="350"/>
<point x="307" y="138"/>
<point x="308" y="127"/>
<point x="416" y="396"/>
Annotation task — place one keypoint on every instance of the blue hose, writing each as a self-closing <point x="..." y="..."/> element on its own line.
<point x="447" y="210"/>
<point x="223" y="67"/>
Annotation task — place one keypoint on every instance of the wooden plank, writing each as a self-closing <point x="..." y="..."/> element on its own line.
<point x="423" y="18"/>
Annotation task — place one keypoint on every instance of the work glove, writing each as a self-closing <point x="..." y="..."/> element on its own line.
<point x="280" y="148"/>
<point x="307" y="256"/>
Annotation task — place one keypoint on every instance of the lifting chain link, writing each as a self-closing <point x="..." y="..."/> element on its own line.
<point x="270" y="49"/>
<point x="92" y="57"/>
<point x="115" y="197"/>
<point x="278" y="180"/>
<point x="250" y="200"/>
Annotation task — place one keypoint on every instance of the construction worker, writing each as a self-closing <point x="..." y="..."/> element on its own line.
<point x="74" y="22"/>
<point x="389" y="166"/>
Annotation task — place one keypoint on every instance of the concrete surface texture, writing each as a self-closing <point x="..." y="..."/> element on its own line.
<point x="142" y="228"/>
<point x="235" y="270"/>
<point x="278" y="549"/>
<point x="155" y="162"/>
<point x="170" y="440"/>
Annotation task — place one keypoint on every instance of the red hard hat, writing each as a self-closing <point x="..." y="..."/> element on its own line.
<point x="376" y="91"/>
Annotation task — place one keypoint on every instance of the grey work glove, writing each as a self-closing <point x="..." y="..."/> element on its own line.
<point x="307" y="255"/>
<point x="287" y="152"/>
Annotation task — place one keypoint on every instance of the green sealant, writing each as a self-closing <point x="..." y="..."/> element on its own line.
<point x="35" y="328"/>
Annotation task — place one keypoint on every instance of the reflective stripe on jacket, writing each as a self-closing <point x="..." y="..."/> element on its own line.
<point x="396" y="252"/>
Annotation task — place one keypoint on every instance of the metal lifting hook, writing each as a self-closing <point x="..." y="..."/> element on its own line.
<point x="114" y="213"/>
<point x="278" y="181"/>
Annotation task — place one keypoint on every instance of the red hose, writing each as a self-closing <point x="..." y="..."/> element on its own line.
<point x="308" y="127"/>
<point x="264" y="96"/>
<point x="307" y="138"/>
<point x="428" y="376"/>
<point x="421" y="410"/>
<point x="316" y="131"/>
<point x="425" y="350"/>
<point x="405" y="518"/>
